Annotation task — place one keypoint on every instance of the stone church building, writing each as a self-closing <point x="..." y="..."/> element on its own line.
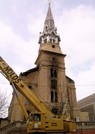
<point x="48" y="79"/>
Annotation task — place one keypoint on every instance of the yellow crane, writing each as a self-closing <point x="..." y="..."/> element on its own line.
<point x="43" y="121"/>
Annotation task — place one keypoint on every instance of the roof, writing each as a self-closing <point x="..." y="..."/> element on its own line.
<point x="29" y="71"/>
<point x="70" y="80"/>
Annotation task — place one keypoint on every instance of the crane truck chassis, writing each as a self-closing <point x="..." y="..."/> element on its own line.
<point x="43" y="121"/>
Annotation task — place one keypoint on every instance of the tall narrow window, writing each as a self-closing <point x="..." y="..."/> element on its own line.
<point x="50" y="40"/>
<point x="55" y="96"/>
<point x="53" y="72"/>
<point x="54" y="84"/>
<point x="45" y="41"/>
<point x="52" y="96"/>
<point x="53" y="40"/>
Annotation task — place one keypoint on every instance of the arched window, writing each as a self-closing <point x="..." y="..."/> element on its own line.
<point x="45" y="41"/>
<point x="53" y="83"/>
<point x="51" y="40"/>
<point x="54" y="97"/>
<point x="53" y="72"/>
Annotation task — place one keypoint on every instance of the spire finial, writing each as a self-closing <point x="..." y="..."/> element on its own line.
<point x="49" y="2"/>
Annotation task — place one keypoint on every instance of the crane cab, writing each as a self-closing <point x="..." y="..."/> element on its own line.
<point x="35" y="122"/>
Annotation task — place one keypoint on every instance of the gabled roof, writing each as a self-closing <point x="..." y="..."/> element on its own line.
<point x="29" y="71"/>
<point x="70" y="80"/>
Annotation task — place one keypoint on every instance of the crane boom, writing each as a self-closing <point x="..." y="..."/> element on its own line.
<point x="43" y="120"/>
<point x="20" y="102"/>
<point x="23" y="89"/>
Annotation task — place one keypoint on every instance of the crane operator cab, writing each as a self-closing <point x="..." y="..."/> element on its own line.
<point x="35" y="122"/>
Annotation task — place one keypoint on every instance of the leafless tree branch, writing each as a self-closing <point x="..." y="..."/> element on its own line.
<point x="4" y="104"/>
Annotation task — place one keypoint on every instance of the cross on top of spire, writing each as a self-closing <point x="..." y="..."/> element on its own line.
<point x="49" y="1"/>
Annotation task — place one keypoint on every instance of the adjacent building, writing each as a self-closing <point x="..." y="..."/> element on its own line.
<point x="87" y="104"/>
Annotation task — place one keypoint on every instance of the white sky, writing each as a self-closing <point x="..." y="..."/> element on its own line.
<point x="20" y="24"/>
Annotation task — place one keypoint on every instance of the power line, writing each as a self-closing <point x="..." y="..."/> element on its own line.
<point x="85" y="85"/>
<point x="88" y="85"/>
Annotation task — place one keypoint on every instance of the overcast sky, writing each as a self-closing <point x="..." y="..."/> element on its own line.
<point x="20" y="24"/>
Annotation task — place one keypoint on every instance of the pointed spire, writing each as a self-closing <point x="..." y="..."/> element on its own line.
<point x="49" y="21"/>
<point x="49" y="33"/>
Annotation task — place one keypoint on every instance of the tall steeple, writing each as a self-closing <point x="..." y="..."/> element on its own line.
<point x="49" y="21"/>
<point x="49" y="34"/>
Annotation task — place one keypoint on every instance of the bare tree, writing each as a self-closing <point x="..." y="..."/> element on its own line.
<point x="4" y="104"/>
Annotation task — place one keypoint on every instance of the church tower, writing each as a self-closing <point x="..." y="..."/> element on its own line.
<point x="50" y="60"/>
<point x="48" y="79"/>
